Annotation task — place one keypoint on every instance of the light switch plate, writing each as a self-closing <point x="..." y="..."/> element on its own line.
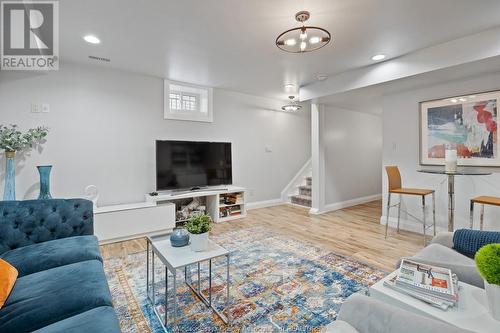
<point x="45" y="108"/>
<point x="35" y="108"/>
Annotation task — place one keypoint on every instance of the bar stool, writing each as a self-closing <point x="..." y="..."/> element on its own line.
<point x="394" y="181"/>
<point x="483" y="200"/>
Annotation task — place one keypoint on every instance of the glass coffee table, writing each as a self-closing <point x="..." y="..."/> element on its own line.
<point x="175" y="258"/>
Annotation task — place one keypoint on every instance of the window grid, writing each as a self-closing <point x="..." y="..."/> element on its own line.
<point x="180" y="102"/>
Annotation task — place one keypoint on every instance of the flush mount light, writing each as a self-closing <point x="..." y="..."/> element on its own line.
<point x="378" y="57"/>
<point x="303" y="39"/>
<point x="321" y="77"/>
<point x="292" y="106"/>
<point x="91" y="39"/>
<point x="289" y="86"/>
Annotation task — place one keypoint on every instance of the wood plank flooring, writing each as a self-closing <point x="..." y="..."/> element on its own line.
<point x="353" y="231"/>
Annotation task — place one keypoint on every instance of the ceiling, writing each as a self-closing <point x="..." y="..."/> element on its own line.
<point x="369" y="99"/>
<point x="230" y="44"/>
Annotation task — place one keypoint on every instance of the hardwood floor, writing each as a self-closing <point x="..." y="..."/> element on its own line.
<point x="353" y="231"/>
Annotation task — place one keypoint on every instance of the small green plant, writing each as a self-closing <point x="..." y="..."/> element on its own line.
<point x="199" y="224"/>
<point x="12" y="139"/>
<point x="488" y="263"/>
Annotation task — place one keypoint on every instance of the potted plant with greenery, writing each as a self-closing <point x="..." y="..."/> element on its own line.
<point x="488" y="263"/>
<point x="12" y="140"/>
<point x="198" y="228"/>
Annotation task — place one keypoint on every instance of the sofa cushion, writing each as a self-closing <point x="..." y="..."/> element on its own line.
<point x="42" y="256"/>
<point x="46" y="297"/>
<point x="102" y="319"/>
<point x="339" y="326"/>
<point x="439" y="255"/>
<point x="369" y="315"/>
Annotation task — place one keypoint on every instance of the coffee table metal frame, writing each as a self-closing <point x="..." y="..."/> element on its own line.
<point x="207" y="300"/>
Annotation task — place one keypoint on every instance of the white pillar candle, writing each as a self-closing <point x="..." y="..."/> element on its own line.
<point x="450" y="159"/>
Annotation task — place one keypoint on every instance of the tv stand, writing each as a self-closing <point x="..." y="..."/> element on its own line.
<point x="222" y="204"/>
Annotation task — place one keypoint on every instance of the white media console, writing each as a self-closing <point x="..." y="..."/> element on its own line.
<point x="157" y="214"/>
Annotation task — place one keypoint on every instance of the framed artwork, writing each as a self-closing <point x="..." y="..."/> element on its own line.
<point x="467" y="122"/>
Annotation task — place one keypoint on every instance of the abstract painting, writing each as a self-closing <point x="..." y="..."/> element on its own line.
<point x="467" y="123"/>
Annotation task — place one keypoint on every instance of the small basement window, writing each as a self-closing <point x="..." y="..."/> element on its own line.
<point x="187" y="102"/>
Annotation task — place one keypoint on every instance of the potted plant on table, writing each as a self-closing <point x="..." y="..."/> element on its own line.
<point x="11" y="141"/>
<point x="198" y="228"/>
<point x="488" y="263"/>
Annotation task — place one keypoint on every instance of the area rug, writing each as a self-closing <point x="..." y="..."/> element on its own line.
<point x="278" y="284"/>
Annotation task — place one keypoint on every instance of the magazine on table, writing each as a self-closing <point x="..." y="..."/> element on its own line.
<point x="390" y="282"/>
<point x="427" y="279"/>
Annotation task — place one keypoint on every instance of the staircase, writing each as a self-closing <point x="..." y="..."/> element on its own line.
<point x="304" y="197"/>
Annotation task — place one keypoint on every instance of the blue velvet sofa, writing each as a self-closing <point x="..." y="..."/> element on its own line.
<point x="61" y="285"/>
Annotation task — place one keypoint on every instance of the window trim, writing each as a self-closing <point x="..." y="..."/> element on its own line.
<point x="187" y="115"/>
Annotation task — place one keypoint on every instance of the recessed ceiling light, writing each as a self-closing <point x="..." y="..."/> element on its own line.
<point x="91" y="39"/>
<point x="453" y="100"/>
<point x="378" y="57"/>
<point x="289" y="86"/>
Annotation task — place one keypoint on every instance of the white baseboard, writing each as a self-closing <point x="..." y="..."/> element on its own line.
<point x="409" y="225"/>
<point x="265" y="203"/>
<point x="345" y="204"/>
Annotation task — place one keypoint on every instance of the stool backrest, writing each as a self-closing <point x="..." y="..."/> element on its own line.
<point x="393" y="176"/>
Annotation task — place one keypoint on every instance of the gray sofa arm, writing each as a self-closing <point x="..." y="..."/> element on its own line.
<point x="443" y="238"/>
<point x="369" y="315"/>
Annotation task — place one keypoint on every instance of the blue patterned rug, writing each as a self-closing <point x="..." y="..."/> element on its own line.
<point x="277" y="284"/>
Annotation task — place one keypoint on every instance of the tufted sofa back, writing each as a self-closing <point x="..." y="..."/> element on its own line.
<point x="34" y="221"/>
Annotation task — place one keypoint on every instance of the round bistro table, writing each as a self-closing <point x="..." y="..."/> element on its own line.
<point x="451" y="188"/>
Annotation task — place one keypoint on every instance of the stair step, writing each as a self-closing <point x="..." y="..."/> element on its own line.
<point x="305" y="190"/>
<point x="302" y="200"/>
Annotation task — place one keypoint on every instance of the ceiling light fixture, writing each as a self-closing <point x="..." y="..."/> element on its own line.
<point x="289" y="86"/>
<point x="378" y="57"/>
<point x="321" y="77"/>
<point x="91" y="39"/>
<point x="318" y="37"/>
<point x="292" y="106"/>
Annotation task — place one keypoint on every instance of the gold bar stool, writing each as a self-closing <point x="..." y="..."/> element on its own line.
<point x="482" y="200"/>
<point x="395" y="187"/>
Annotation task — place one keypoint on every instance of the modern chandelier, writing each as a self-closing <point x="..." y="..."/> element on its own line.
<point x="292" y="106"/>
<point x="303" y="39"/>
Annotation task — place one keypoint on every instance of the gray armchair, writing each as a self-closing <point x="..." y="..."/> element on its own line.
<point x="362" y="314"/>
<point x="440" y="252"/>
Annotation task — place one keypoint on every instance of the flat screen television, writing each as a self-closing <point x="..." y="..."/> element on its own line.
<point x="189" y="164"/>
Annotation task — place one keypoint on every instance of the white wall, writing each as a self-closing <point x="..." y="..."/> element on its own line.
<point x="104" y="122"/>
<point x="353" y="154"/>
<point x="401" y="147"/>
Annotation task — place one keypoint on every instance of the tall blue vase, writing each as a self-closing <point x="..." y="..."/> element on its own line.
<point x="44" y="171"/>
<point x="10" y="176"/>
